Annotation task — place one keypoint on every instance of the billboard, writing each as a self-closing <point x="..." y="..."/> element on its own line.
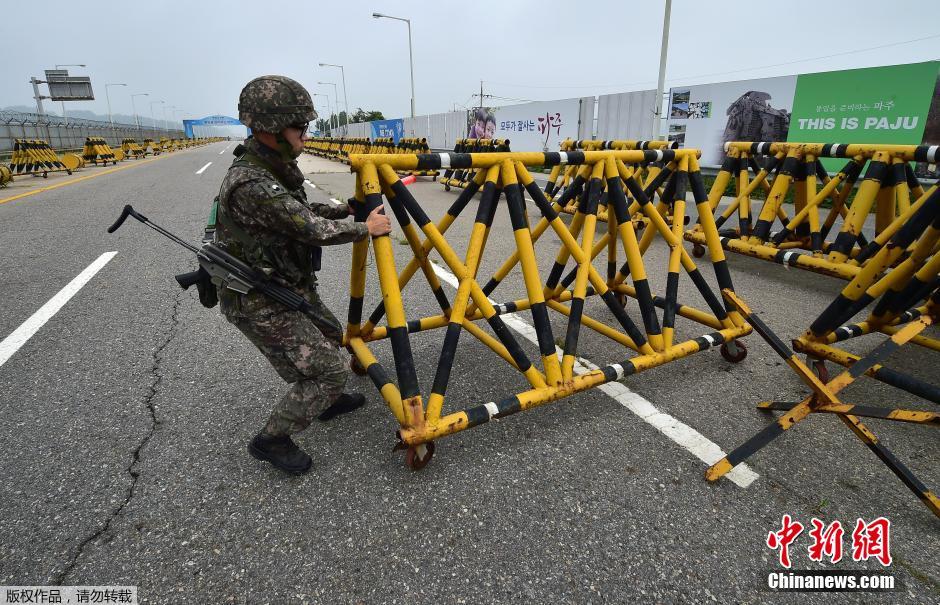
<point x="871" y="105"/>
<point x="931" y="134"/>
<point x="706" y="116"/>
<point x="388" y="128"/>
<point x="538" y="126"/>
<point x="63" y="87"/>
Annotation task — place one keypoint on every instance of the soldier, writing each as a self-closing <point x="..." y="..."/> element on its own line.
<point x="266" y="220"/>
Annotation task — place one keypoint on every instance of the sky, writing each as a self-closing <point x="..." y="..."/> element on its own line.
<point x="197" y="55"/>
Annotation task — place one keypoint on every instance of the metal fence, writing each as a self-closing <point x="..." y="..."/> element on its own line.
<point x="64" y="134"/>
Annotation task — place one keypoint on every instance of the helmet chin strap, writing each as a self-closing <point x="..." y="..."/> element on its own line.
<point x="286" y="149"/>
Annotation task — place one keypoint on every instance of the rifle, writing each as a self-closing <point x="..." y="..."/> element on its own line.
<point x="219" y="269"/>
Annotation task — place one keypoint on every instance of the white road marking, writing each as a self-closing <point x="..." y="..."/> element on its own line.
<point x="224" y="150"/>
<point x="312" y="185"/>
<point x="12" y="343"/>
<point x="336" y="201"/>
<point x="682" y="434"/>
<point x="203" y="169"/>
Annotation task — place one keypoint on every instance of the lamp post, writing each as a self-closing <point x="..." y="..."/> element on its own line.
<point x="166" y="124"/>
<point x="329" y="108"/>
<point x="345" y="98"/>
<point x="153" y="121"/>
<point x="57" y="66"/>
<point x="335" y="96"/>
<point x="410" y="55"/>
<point x="134" y="105"/>
<point x="108" y="97"/>
<point x="320" y="94"/>
<point x="657" y="116"/>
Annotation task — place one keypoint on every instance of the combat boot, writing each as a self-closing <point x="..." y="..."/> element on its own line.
<point x="344" y="404"/>
<point x="281" y="452"/>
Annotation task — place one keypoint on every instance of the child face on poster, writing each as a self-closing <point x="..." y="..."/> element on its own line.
<point x="478" y="130"/>
<point x="490" y="127"/>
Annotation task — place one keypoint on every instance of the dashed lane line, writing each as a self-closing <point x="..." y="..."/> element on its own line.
<point x="12" y="343"/>
<point x="203" y="169"/>
<point x="680" y="433"/>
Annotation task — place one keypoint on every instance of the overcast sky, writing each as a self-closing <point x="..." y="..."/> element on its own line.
<point x="197" y="55"/>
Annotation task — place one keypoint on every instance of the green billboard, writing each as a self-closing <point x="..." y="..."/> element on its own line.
<point x="871" y="105"/>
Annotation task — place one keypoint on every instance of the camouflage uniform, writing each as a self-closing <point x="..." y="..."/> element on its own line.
<point x="266" y="219"/>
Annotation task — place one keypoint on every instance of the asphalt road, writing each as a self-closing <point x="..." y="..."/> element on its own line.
<point x="124" y="422"/>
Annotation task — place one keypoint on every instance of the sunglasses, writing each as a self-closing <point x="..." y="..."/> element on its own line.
<point x="303" y="127"/>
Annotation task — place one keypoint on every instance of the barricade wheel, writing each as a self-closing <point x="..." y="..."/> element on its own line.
<point x="446" y="187"/>
<point x="418" y="456"/>
<point x="740" y="351"/>
<point x="356" y="367"/>
<point x="621" y="299"/>
<point x="820" y="369"/>
<point x="698" y="251"/>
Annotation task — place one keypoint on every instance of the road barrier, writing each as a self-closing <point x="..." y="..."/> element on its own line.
<point x="341" y="148"/>
<point x="901" y="281"/>
<point x="558" y="178"/>
<point x="73" y="161"/>
<point x="36" y="157"/>
<point x="889" y="187"/>
<point x="462" y="178"/>
<point x="824" y="397"/>
<point x="151" y="147"/>
<point x="615" y="173"/>
<point x="97" y="150"/>
<point x="132" y="149"/>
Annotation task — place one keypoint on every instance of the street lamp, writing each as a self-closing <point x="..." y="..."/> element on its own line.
<point x="153" y="121"/>
<point x="108" y="97"/>
<point x="410" y="55"/>
<point x="320" y="94"/>
<point x="657" y="115"/>
<point x="335" y="96"/>
<point x="345" y="98"/>
<point x="134" y="105"/>
<point x="329" y="108"/>
<point x="57" y="66"/>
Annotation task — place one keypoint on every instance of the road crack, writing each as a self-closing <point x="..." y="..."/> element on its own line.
<point x="154" y="387"/>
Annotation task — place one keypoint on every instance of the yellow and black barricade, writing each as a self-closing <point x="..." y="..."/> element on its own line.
<point x="151" y="148"/>
<point x="650" y="343"/>
<point x="906" y="301"/>
<point x="461" y="178"/>
<point x="558" y="178"/>
<point x="875" y="177"/>
<point x="132" y="149"/>
<point x="97" y="150"/>
<point x="36" y="157"/>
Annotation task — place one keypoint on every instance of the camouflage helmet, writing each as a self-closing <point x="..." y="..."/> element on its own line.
<point x="272" y="103"/>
